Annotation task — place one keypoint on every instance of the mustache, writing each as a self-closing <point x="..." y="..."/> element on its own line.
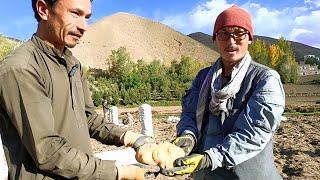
<point x="76" y="33"/>
<point x="231" y="48"/>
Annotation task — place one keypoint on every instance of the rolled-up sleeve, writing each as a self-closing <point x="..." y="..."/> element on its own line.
<point x="24" y="98"/>
<point x="255" y="125"/>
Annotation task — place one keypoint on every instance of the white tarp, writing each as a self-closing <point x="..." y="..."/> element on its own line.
<point x="123" y="156"/>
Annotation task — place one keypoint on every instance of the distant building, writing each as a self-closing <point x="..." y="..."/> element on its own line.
<point x="307" y="69"/>
<point x="310" y="56"/>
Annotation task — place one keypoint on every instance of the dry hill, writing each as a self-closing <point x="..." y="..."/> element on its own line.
<point x="143" y="38"/>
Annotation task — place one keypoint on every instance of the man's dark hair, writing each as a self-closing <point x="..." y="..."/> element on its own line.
<point x="49" y="2"/>
<point x="34" y="2"/>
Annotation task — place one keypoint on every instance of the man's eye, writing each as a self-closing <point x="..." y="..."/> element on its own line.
<point x="239" y="33"/>
<point x="223" y="34"/>
<point x="75" y="14"/>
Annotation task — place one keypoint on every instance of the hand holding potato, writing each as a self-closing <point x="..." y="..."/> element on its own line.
<point x="162" y="154"/>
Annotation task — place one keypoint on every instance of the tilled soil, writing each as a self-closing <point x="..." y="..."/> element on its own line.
<point x="296" y="147"/>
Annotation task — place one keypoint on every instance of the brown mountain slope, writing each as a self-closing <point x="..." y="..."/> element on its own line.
<point x="143" y="38"/>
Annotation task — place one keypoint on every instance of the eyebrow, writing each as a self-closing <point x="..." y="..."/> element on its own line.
<point x="233" y="30"/>
<point x="82" y="12"/>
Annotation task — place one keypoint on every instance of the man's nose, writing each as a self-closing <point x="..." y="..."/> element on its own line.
<point x="231" y="38"/>
<point x="83" y="24"/>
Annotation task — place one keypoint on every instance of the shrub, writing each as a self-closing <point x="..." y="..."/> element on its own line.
<point x="127" y="83"/>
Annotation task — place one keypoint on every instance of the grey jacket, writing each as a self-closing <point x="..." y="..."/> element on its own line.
<point x="241" y="147"/>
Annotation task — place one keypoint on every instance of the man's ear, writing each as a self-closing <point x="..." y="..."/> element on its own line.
<point x="249" y="42"/>
<point x="42" y="9"/>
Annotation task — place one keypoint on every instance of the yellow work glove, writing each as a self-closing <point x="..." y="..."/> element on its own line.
<point x="189" y="164"/>
<point x="186" y="142"/>
<point x="135" y="171"/>
<point x="162" y="154"/>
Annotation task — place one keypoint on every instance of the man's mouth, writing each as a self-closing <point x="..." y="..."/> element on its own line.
<point x="76" y="35"/>
<point x="231" y="50"/>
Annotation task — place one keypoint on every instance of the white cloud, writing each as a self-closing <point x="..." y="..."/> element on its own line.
<point x="178" y="22"/>
<point x="293" y="23"/>
<point x="297" y="32"/>
<point x="315" y="3"/>
<point x="310" y="20"/>
<point x="254" y="5"/>
<point x="201" y="18"/>
<point x="307" y="27"/>
<point x="267" y="22"/>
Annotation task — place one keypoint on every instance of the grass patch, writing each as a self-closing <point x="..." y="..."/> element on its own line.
<point x="164" y="103"/>
<point x="151" y="103"/>
<point x="302" y="110"/>
<point x="302" y="114"/>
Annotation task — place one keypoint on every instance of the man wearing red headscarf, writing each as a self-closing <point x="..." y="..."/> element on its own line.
<point x="231" y="111"/>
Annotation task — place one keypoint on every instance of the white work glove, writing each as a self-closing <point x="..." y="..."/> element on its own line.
<point x="162" y="154"/>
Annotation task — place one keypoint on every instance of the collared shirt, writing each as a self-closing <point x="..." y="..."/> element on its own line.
<point x="47" y="116"/>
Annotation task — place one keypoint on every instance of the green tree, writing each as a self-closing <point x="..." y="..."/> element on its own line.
<point x="182" y="73"/>
<point x="155" y="75"/>
<point x="120" y="64"/>
<point x="275" y="54"/>
<point x="133" y="80"/>
<point x="312" y="61"/>
<point x="279" y="56"/>
<point x="287" y="65"/>
<point x="260" y="52"/>
<point x="187" y="69"/>
<point x="129" y="83"/>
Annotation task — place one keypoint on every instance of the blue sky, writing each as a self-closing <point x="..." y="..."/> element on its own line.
<point x="296" y="20"/>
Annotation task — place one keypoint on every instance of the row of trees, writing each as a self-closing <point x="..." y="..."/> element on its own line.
<point x="126" y="82"/>
<point x="312" y="61"/>
<point x="278" y="56"/>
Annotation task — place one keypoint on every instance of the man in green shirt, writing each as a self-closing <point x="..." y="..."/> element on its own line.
<point x="46" y="112"/>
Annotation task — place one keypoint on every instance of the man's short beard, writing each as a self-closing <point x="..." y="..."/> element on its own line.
<point x="71" y="45"/>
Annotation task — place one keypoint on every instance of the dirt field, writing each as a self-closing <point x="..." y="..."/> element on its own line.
<point x="297" y="148"/>
<point x="297" y="142"/>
